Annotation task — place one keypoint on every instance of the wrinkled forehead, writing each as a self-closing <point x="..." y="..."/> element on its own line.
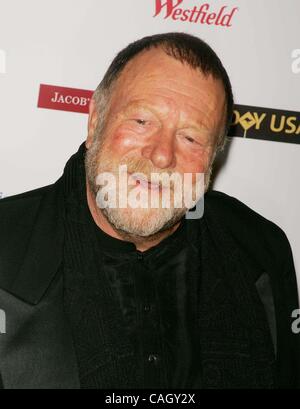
<point x="156" y="76"/>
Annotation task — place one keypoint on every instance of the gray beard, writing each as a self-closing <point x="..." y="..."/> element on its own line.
<point x="129" y="224"/>
<point x="143" y="227"/>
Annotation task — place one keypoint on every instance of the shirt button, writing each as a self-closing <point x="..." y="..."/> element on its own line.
<point x="147" y="308"/>
<point x="153" y="359"/>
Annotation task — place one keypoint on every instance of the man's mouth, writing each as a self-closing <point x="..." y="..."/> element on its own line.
<point x="145" y="183"/>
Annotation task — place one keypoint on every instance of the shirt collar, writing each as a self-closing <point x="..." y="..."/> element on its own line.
<point x="120" y="248"/>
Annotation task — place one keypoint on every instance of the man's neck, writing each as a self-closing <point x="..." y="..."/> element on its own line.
<point x="141" y="243"/>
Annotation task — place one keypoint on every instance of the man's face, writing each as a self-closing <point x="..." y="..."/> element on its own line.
<point x="163" y="116"/>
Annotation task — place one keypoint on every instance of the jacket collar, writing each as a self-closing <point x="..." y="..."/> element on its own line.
<point x="44" y="251"/>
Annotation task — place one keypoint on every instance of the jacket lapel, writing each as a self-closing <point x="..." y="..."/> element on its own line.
<point x="39" y="264"/>
<point x="37" y="349"/>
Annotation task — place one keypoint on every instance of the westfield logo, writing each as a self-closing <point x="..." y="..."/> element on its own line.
<point x="201" y="14"/>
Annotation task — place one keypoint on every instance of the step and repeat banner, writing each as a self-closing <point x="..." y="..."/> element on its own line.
<point x="54" y="53"/>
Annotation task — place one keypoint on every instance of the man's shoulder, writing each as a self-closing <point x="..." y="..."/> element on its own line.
<point x="16" y="199"/>
<point x="249" y="228"/>
<point x="30" y="238"/>
<point x="234" y="211"/>
<point x="18" y="208"/>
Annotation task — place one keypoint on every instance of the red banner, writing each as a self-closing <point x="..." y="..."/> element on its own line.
<point x="64" y="99"/>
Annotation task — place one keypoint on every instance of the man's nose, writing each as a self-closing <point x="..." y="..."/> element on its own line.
<point x="161" y="150"/>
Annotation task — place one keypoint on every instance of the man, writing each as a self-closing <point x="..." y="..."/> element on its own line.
<point x="103" y="296"/>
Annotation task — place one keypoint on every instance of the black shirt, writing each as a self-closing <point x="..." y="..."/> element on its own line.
<point x="153" y="293"/>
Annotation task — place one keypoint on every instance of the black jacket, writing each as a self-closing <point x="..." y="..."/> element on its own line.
<point x="37" y="350"/>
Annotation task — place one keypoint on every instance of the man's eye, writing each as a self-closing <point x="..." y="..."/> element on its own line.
<point x="189" y="139"/>
<point x="140" y="121"/>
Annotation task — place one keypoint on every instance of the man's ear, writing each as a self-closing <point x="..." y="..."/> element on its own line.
<point x="92" y="123"/>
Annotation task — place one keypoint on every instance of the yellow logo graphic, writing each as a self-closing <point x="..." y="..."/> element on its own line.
<point x="275" y="123"/>
<point x="248" y="120"/>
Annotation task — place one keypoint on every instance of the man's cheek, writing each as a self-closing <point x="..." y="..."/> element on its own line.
<point x="195" y="167"/>
<point x="123" y="140"/>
